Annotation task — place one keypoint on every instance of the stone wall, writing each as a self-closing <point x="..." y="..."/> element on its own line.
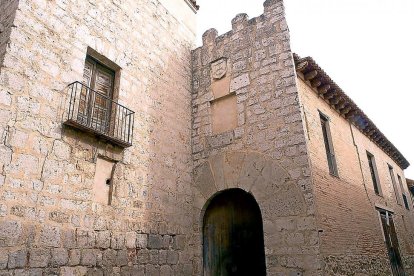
<point x="7" y="12"/>
<point x="49" y="222"/>
<point x="352" y="240"/>
<point x="262" y="149"/>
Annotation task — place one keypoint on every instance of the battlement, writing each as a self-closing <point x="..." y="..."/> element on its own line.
<point x="273" y="11"/>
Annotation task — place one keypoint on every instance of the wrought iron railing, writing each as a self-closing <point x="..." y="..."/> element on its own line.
<point x="94" y="112"/>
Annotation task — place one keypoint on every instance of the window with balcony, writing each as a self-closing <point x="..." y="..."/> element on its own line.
<point x="374" y="173"/>
<point x="92" y="107"/>
<point x="330" y="155"/>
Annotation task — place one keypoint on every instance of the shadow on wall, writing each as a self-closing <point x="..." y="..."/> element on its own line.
<point x="8" y="10"/>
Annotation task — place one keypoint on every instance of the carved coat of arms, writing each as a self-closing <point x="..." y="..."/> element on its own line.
<point x="219" y="68"/>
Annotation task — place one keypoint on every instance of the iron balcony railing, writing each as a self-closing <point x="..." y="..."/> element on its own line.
<point x="94" y="112"/>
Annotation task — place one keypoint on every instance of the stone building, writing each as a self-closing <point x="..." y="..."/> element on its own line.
<point x="125" y="151"/>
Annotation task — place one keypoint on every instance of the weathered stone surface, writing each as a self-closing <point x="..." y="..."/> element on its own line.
<point x="172" y="257"/>
<point x="10" y="232"/>
<point x="103" y="239"/>
<point x="51" y="223"/>
<point x="17" y="259"/>
<point x="121" y="258"/>
<point x="39" y="257"/>
<point x="50" y="236"/>
<point x="60" y="257"/>
<point x="88" y="257"/>
<point x="239" y="82"/>
<point x="4" y="257"/>
<point x="74" y="257"/>
<point x="109" y="257"/>
<point x="155" y="241"/>
<point x="142" y="241"/>
<point x="130" y="239"/>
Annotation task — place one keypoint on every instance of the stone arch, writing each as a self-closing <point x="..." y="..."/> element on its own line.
<point x="280" y="198"/>
<point x="266" y="179"/>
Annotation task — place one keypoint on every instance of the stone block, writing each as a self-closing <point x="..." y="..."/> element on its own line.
<point x="179" y="242"/>
<point x="109" y="257"/>
<point x="137" y="270"/>
<point x="68" y="238"/>
<point x="239" y="82"/>
<point x="4" y="257"/>
<point x="60" y="257"/>
<point x="17" y="259"/>
<point x="10" y="232"/>
<point x="154" y="257"/>
<point x="85" y="239"/>
<point x="172" y="257"/>
<point x="61" y="150"/>
<point x="95" y="271"/>
<point x="88" y="257"/>
<point x="130" y="239"/>
<point x="122" y="258"/>
<point x="73" y="271"/>
<point x="74" y="257"/>
<point x="142" y="241"/>
<point x="103" y="239"/>
<point x="59" y="217"/>
<point x="143" y="256"/>
<point x="152" y="270"/>
<point x="162" y="257"/>
<point x="50" y="236"/>
<point x="154" y="241"/>
<point x="205" y="180"/>
<point x="166" y="270"/>
<point x="39" y="257"/>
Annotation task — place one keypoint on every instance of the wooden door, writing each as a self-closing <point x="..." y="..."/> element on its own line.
<point x="391" y="242"/>
<point x="96" y="96"/>
<point x="233" y="236"/>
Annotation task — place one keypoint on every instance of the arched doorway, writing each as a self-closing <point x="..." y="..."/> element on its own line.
<point x="233" y="235"/>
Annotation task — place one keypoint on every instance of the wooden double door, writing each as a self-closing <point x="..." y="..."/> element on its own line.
<point x="233" y="236"/>
<point x="96" y="96"/>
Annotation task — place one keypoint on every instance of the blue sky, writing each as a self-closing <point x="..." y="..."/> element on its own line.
<point x="365" y="46"/>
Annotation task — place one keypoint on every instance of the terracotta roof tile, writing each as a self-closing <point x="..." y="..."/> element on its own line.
<point x="194" y="3"/>
<point x="337" y="98"/>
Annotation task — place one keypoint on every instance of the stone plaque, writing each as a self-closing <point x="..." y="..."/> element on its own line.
<point x="219" y="68"/>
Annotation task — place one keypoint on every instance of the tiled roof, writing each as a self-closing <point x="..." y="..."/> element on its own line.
<point x="334" y="96"/>
<point x="194" y="3"/>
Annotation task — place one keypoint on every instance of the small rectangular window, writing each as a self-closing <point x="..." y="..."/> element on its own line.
<point x="374" y="173"/>
<point x="394" y="185"/>
<point x="404" y="196"/>
<point x="330" y="155"/>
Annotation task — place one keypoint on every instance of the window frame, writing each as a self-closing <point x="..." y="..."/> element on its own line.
<point x="374" y="173"/>
<point x="403" y="195"/>
<point x="329" y="148"/>
<point x="394" y="184"/>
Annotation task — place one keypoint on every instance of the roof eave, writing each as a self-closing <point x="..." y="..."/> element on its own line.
<point x="327" y="89"/>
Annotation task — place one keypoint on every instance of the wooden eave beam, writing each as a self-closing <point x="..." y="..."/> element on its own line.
<point x="311" y="75"/>
<point x="301" y="66"/>
<point x="316" y="82"/>
<point x="324" y="88"/>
